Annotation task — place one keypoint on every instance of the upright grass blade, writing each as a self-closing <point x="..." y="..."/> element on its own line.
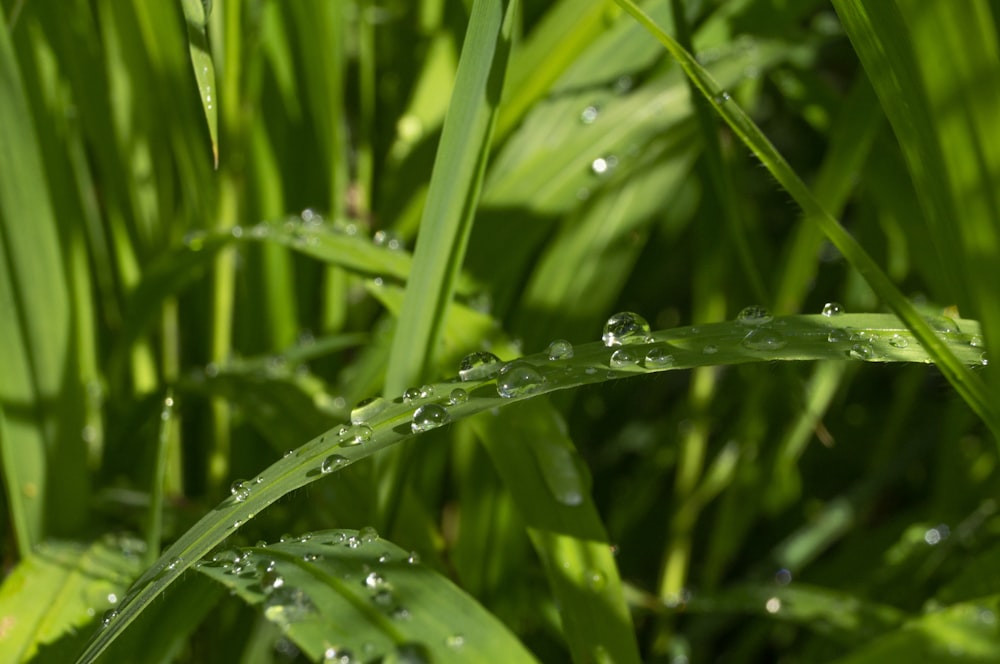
<point x="811" y="337"/>
<point x="970" y="386"/>
<point x="40" y="391"/>
<point x="937" y="75"/>
<point x="454" y="190"/>
<point x="196" y="14"/>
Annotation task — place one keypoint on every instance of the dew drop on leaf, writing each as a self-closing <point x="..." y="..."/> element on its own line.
<point x="458" y="395"/>
<point x="331" y="463"/>
<point x="832" y="309"/>
<point x="560" y="349"/>
<point x="626" y="328"/>
<point x="518" y="379"/>
<point x="898" y="341"/>
<point x="754" y="315"/>
<point x="658" y="358"/>
<point x="429" y="416"/>
<point x="478" y="366"/>
<point x="861" y="351"/>
<point x="624" y="357"/>
<point x="764" y="339"/>
<point x="240" y="490"/>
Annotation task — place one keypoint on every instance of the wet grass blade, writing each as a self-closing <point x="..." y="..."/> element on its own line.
<point x="970" y="386"/>
<point x="859" y="337"/>
<point x="196" y="14"/>
<point x="345" y="593"/>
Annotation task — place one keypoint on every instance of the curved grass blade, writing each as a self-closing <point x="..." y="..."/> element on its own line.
<point x="863" y="337"/>
<point x="970" y="386"/>
<point x="196" y="14"/>
<point x="345" y="593"/>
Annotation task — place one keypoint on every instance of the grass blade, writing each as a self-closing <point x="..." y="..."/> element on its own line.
<point x="195" y="12"/>
<point x="970" y="386"/>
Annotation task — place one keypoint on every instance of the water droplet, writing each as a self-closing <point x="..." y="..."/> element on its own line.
<point x="332" y="462"/>
<point x="411" y="394"/>
<point x="426" y="391"/>
<point x="589" y="114"/>
<point x="832" y="309"/>
<point x="359" y="435"/>
<point x="861" y="351"/>
<point x="338" y="655"/>
<point x="518" y="379"/>
<point x="560" y="349"/>
<point x="983" y="360"/>
<point x="478" y="366"/>
<point x="458" y="395"/>
<point x="773" y="605"/>
<point x="402" y="613"/>
<point x="240" y="490"/>
<point x="455" y="641"/>
<point x="658" y="358"/>
<point x="175" y="563"/>
<point x="764" y="339"/>
<point x="624" y="357"/>
<point x="623" y="84"/>
<point x="387" y="239"/>
<point x="429" y="416"/>
<point x="604" y="165"/>
<point x="626" y="328"/>
<point x="368" y="535"/>
<point x="976" y="341"/>
<point x="722" y="97"/>
<point x="595" y="579"/>
<point x="109" y="616"/>
<point x="898" y="341"/>
<point x="374" y="580"/>
<point x="942" y="323"/>
<point x="271" y="581"/>
<point x="367" y="409"/>
<point x="837" y="335"/>
<point x="413" y="558"/>
<point x="754" y="315"/>
<point x="710" y="349"/>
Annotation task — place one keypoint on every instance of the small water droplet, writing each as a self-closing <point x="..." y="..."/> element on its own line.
<point x="271" y="581"/>
<point x="595" y="579"/>
<point x="413" y="558"/>
<point x="754" y="315"/>
<point x="175" y="563"/>
<point x="367" y="409"/>
<point x="457" y="396"/>
<point x="387" y="239"/>
<point x="455" y="641"/>
<point x="478" y="366"/>
<point x="332" y="462"/>
<point x="518" y="379"/>
<point x="976" y="341"/>
<point x="898" y="341"/>
<point x="722" y="97"/>
<point x="983" y="360"/>
<point x="710" y="349"/>
<point x="624" y="357"/>
<point x="658" y="358"/>
<point x="411" y="394"/>
<point x="373" y="581"/>
<point x="623" y="84"/>
<point x="109" y="616"/>
<point x="861" y="351"/>
<point x="429" y="416"/>
<point x="604" y="165"/>
<point x="426" y="391"/>
<point x="590" y="114"/>
<point x="240" y="490"/>
<point x="626" y="328"/>
<point x="764" y="339"/>
<point x="832" y="309"/>
<point x="338" y="655"/>
<point x="359" y="435"/>
<point x="560" y="349"/>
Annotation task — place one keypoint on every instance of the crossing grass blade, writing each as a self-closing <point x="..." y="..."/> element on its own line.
<point x="970" y="386"/>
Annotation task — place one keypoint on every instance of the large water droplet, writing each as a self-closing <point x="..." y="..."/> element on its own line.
<point x="898" y="341"/>
<point x="861" y="351"/>
<point x="837" y="335"/>
<point x="624" y="357"/>
<point x="332" y="462"/>
<point x="754" y="315"/>
<point x="429" y="416"/>
<point x="832" y="309"/>
<point x="626" y="328"/>
<point x="658" y="358"/>
<point x="560" y="349"/>
<point x="764" y="339"/>
<point x="518" y="379"/>
<point x="367" y="409"/>
<point x="411" y="394"/>
<point x="942" y="323"/>
<point x="368" y="534"/>
<point x="458" y="395"/>
<point x="479" y="366"/>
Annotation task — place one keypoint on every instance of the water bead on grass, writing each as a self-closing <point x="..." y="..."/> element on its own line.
<point x="832" y="309"/>
<point x="754" y="315"/>
<point x="626" y="328"/>
<point x="518" y="379"/>
<point x="560" y="349"/>
<point x="624" y="357"/>
<point x="658" y="358"/>
<point x="429" y="416"/>
<point x="764" y="339"/>
<point x="478" y="366"/>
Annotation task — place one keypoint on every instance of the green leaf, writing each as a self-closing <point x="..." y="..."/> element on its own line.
<point x="204" y="69"/>
<point x="340" y="592"/>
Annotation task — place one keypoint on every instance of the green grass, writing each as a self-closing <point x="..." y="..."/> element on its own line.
<point x="221" y="232"/>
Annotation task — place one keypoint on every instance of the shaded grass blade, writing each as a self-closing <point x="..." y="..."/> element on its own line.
<point x="970" y="386"/>
<point x="195" y="12"/>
